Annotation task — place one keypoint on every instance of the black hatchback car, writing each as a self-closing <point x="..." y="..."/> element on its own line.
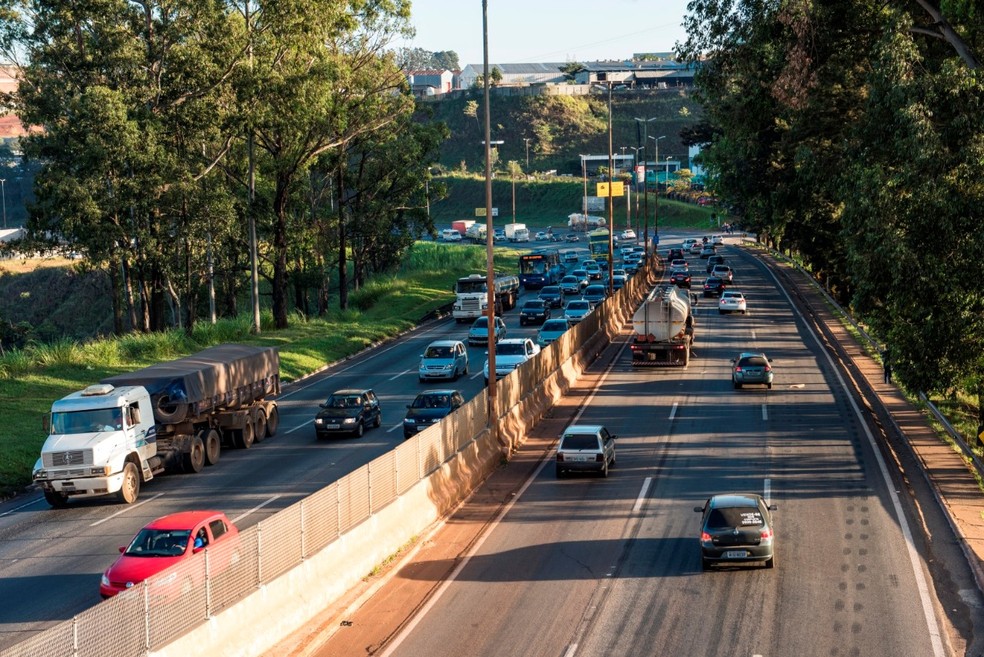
<point x="348" y="411"/>
<point x="535" y="311"/>
<point x="680" y="278"/>
<point x="430" y="407"/>
<point x="714" y="286"/>
<point x="735" y="528"/>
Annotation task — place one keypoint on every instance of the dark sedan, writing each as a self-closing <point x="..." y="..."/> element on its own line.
<point x="553" y="296"/>
<point x="348" y="412"/>
<point x="535" y="311"/>
<point x="680" y="278"/>
<point x="713" y="286"/>
<point x="735" y="528"/>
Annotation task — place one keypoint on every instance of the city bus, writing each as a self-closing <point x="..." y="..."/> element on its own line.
<point x="539" y="268"/>
<point x="598" y="244"/>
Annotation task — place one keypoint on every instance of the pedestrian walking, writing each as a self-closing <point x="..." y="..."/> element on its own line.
<point x="886" y="357"/>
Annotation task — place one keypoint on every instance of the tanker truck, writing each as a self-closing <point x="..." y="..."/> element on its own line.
<point x="112" y="437"/>
<point x="472" y="297"/>
<point x="663" y="328"/>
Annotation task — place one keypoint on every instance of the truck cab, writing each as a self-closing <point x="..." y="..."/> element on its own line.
<point x="99" y="442"/>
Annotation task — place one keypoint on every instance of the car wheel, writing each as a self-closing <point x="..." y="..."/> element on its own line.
<point x="466" y="370"/>
<point x="720" y="312"/>
<point x="360" y="429"/>
<point x="379" y="420"/>
<point x="486" y="380"/>
<point x="771" y="562"/>
<point x="420" y="379"/>
<point x="560" y="473"/>
<point x="769" y="386"/>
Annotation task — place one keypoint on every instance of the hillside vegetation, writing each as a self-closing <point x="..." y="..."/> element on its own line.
<point x="560" y="128"/>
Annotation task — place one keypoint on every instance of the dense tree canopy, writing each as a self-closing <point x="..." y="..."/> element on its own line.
<point x="165" y="126"/>
<point x="852" y="132"/>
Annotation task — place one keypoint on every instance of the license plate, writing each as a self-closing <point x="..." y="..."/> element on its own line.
<point x="736" y="554"/>
<point x="333" y="426"/>
<point x="579" y="458"/>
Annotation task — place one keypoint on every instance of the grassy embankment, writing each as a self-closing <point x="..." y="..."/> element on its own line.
<point x="543" y="203"/>
<point x="31" y="379"/>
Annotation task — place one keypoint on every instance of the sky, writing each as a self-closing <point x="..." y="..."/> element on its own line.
<point x="525" y="31"/>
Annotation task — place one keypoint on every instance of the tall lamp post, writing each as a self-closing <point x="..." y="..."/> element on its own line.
<point x="3" y="190"/>
<point x="645" y="143"/>
<point x="636" y="150"/>
<point x="611" y="182"/>
<point x="527" y="140"/>
<point x="656" y="208"/>
<point x="489" y="269"/>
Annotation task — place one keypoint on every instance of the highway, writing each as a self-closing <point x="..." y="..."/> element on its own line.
<point x="585" y="566"/>
<point x="51" y="560"/>
<point x="593" y="566"/>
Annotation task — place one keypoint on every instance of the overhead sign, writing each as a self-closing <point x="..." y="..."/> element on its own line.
<point x="618" y="188"/>
<point x="480" y="212"/>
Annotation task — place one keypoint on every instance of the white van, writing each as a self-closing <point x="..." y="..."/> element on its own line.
<point x="450" y="235"/>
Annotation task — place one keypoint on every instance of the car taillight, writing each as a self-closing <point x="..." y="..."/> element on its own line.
<point x="767" y="534"/>
<point x="738" y="368"/>
<point x="768" y="368"/>
<point x="705" y="537"/>
<point x="560" y="457"/>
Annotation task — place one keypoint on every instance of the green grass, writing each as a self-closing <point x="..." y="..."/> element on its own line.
<point x="31" y="378"/>
<point x="542" y="203"/>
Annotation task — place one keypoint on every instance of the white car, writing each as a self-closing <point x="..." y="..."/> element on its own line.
<point x="627" y="234"/>
<point x="732" y="301"/>
<point x="585" y="448"/>
<point x="577" y="310"/>
<point x="541" y="236"/>
<point x="717" y="240"/>
<point x="510" y="354"/>
<point x="696" y="247"/>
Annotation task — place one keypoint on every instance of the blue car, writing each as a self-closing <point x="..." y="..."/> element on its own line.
<point x="443" y="359"/>
<point x="478" y="334"/>
<point x="551" y="330"/>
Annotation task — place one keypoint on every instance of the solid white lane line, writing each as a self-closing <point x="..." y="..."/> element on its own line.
<point x="673" y="411"/>
<point x="18" y="508"/>
<point x="254" y="509"/>
<point x="765" y="412"/>
<point x="932" y="625"/>
<point x="129" y="508"/>
<point x="395" y="427"/>
<point x="642" y="495"/>
<point x="571" y="649"/>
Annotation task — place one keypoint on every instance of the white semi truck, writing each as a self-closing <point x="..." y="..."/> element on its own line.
<point x="118" y="434"/>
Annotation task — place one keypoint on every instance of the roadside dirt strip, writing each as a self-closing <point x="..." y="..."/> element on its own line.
<point x="368" y="617"/>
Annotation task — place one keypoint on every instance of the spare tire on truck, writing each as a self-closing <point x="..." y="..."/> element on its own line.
<point x="171" y="407"/>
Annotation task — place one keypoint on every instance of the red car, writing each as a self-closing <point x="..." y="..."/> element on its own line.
<point x="163" y="543"/>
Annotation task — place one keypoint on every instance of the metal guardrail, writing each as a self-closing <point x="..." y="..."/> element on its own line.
<point x="942" y="419"/>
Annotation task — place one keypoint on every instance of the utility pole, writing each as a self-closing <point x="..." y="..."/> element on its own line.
<point x="527" y="140"/>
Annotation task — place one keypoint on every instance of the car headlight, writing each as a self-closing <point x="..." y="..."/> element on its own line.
<point x="40" y="474"/>
<point x="349" y="420"/>
<point x="318" y="420"/>
<point x="102" y="471"/>
<point x="409" y="420"/>
<point x="104" y="580"/>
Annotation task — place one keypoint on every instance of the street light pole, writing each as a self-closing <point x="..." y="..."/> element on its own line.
<point x="611" y="208"/>
<point x="645" y="190"/>
<point x="3" y="189"/>
<point x="527" y="140"/>
<point x="656" y="207"/>
<point x="636" y="150"/>
<point x="489" y="269"/>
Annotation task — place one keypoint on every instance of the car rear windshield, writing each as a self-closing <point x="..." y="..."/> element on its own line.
<point x="573" y="441"/>
<point x="509" y="349"/>
<point x="737" y="516"/>
<point x="753" y="361"/>
<point x="578" y="305"/>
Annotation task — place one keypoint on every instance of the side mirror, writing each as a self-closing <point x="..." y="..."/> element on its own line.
<point x="773" y="507"/>
<point x="122" y="548"/>
<point x="197" y="549"/>
<point x="699" y="509"/>
<point x="46" y="423"/>
<point x="322" y="405"/>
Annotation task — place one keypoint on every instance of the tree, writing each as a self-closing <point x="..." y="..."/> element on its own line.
<point x="571" y="69"/>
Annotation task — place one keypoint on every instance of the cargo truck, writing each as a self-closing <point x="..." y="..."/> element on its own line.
<point x="462" y="226"/>
<point x="477" y="232"/>
<point x="116" y="435"/>
<point x="472" y="298"/>
<point x="663" y="328"/>
<point x="517" y="233"/>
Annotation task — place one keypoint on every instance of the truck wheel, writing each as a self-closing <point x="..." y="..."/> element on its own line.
<point x="213" y="447"/>
<point x="194" y="458"/>
<point x="273" y="421"/>
<point x="55" y="499"/>
<point x="130" y="490"/>
<point x="244" y="437"/>
<point x="260" y="431"/>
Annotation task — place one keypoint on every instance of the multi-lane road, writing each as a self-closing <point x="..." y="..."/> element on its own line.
<point x="589" y="566"/>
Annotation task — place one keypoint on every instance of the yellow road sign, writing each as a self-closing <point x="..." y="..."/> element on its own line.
<point x="618" y="189"/>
